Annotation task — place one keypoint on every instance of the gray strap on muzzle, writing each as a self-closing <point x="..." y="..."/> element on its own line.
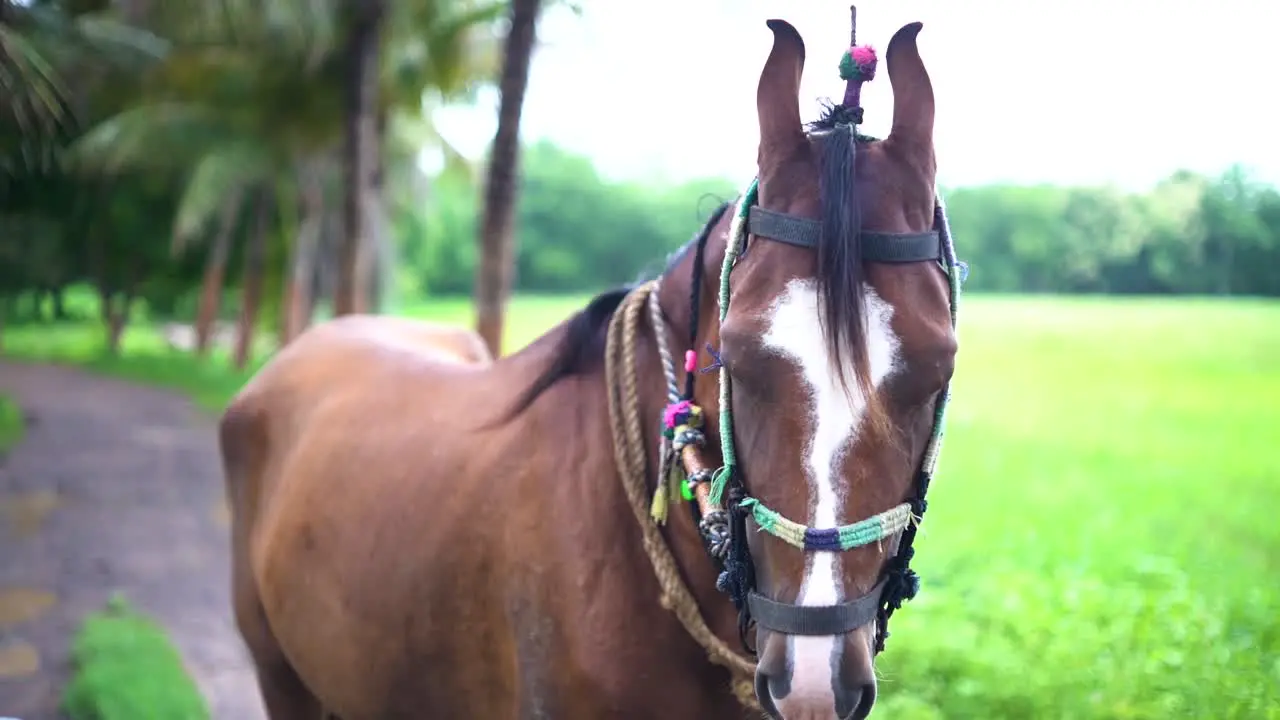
<point x="816" y="619"/>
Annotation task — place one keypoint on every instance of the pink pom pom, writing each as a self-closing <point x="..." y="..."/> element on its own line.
<point x="671" y="415"/>
<point x="690" y="361"/>
<point x="864" y="56"/>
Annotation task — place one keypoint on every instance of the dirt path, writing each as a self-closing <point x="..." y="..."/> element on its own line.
<point x="115" y="488"/>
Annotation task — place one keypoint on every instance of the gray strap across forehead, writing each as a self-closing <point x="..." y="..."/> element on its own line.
<point x="876" y="246"/>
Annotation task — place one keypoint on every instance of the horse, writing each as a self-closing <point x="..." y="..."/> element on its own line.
<point x="553" y="534"/>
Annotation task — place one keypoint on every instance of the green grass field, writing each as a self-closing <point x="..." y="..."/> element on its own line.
<point x="1102" y="538"/>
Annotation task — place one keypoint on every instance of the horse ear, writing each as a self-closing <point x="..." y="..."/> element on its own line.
<point x="778" y="97"/>
<point x="912" y="90"/>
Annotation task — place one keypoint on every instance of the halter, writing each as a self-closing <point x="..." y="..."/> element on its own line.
<point x="899" y="583"/>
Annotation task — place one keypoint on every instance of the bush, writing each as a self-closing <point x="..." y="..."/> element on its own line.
<point x="127" y="669"/>
<point x="11" y="424"/>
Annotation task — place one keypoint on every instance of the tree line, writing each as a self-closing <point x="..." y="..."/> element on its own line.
<point x="229" y="160"/>
<point x="578" y="232"/>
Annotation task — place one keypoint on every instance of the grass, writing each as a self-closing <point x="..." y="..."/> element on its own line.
<point x="144" y="358"/>
<point x="12" y="425"/>
<point x="126" y="669"/>
<point x="210" y="383"/>
<point x="1101" y="541"/>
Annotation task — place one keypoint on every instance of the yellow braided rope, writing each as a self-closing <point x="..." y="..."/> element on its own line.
<point x="630" y="454"/>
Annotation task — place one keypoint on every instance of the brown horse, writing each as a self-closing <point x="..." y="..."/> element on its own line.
<point x="410" y="543"/>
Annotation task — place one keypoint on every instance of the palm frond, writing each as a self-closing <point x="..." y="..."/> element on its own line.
<point x="222" y="172"/>
<point x="161" y="135"/>
<point x="121" y="43"/>
<point x="29" y="85"/>
<point x="434" y="47"/>
<point x="461" y="50"/>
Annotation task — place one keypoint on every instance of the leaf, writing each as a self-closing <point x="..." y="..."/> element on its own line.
<point x="222" y="172"/>
<point x="117" y="41"/>
<point x="29" y="85"/>
<point x="156" y="135"/>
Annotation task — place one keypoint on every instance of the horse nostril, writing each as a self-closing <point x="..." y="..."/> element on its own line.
<point x="855" y="703"/>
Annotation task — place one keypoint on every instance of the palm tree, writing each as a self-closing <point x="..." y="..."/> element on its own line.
<point x="215" y="270"/>
<point x="435" y="53"/>
<point x="364" y="20"/>
<point x="42" y="44"/>
<point x="394" y="54"/>
<point x="241" y="104"/>
<point x="254" y="271"/>
<point x="495" y="275"/>
<point x="299" y="294"/>
<point x="53" y="57"/>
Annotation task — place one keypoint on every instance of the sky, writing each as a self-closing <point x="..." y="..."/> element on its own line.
<point x="1117" y="92"/>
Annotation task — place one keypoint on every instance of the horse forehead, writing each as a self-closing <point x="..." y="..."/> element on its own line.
<point x="793" y="328"/>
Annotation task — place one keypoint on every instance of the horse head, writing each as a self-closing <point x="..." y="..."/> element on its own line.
<point x="836" y="349"/>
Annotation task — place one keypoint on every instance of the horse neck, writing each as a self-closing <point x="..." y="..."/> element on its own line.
<point x="586" y="475"/>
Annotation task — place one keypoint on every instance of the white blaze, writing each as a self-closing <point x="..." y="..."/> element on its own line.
<point x="794" y="331"/>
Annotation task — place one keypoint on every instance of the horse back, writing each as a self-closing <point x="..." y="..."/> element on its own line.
<point x="352" y="383"/>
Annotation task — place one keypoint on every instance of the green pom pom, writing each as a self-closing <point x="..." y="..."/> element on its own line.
<point x="848" y="68"/>
<point x="858" y="64"/>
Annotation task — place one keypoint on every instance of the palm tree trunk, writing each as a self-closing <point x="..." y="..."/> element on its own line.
<point x="298" y="296"/>
<point x="215" y="270"/>
<point x="114" y="316"/>
<point x="496" y="272"/>
<point x="254" y="270"/>
<point x="378" y="247"/>
<point x="361" y="93"/>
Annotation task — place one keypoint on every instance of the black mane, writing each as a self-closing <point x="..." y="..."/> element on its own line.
<point x="842" y="304"/>
<point x="835" y="114"/>
<point x="581" y="347"/>
<point x="840" y="272"/>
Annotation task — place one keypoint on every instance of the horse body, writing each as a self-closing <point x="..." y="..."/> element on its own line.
<point x="383" y="569"/>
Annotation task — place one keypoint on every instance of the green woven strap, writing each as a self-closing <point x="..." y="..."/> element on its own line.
<point x="844" y="537"/>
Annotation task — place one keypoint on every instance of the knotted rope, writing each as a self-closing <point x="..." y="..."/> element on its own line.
<point x="631" y="457"/>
